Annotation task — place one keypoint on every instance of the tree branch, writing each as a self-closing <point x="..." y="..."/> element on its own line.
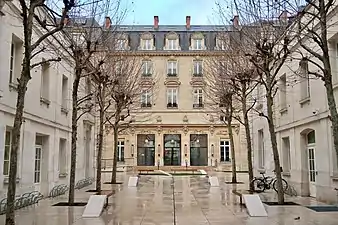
<point x="45" y="62"/>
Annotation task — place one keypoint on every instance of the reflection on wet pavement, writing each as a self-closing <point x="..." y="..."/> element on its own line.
<point x="152" y="203"/>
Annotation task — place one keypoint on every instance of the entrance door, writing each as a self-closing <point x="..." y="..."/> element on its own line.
<point x="145" y="156"/>
<point x="312" y="171"/>
<point x="172" y="150"/>
<point x="198" y="149"/>
<point x="172" y="156"/>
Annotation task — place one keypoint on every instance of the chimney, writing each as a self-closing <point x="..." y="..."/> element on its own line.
<point x="107" y="22"/>
<point x="187" y="22"/>
<point x="235" y="21"/>
<point x="156" y="21"/>
<point x="283" y="16"/>
<point x="66" y="19"/>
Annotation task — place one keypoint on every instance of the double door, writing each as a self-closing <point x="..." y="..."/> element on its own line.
<point x="172" y="156"/>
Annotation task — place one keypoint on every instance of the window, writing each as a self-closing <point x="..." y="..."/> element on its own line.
<point x="304" y="80"/>
<point x="147" y="68"/>
<point x="120" y="148"/>
<point x="62" y="156"/>
<point x="197" y="44"/>
<point x="223" y="101"/>
<point x="37" y="164"/>
<point x="88" y="87"/>
<point x="146" y="99"/>
<point x="64" y="92"/>
<point x="261" y="151"/>
<point x="198" y="68"/>
<point x="8" y="145"/>
<point x="172" y="98"/>
<point x="198" y="98"/>
<point x="225" y="150"/>
<point x="121" y="44"/>
<point x="282" y="92"/>
<point x="286" y="154"/>
<point x="15" y="59"/>
<point x="147" y="45"/>
<point x="172" y="68"/>
<point x="45" y="68"/>
<point x="172" y="44"/>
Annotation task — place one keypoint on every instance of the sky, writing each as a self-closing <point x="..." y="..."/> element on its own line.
<point x="170" y="12"/>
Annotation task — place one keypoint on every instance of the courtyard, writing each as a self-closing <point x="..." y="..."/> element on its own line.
<point x="193" y="202"/>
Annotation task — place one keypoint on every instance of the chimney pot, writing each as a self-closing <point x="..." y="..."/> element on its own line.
<point x="236" y="21"/>
<point x="156" y="21"/>
<point x="107" y="22"/>
<point x="187" y="21"/>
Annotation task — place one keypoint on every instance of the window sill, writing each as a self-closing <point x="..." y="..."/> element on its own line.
<point x="44" y="101"/>
<point x="304" y="101"/>
<point x="6" y="180"/>
<point x="283" y="110"/>
<point x="286" y="174"/>
<point x="168" y="107"/>
<point x="13" y="87"/>
<point x="225" y="162"/>
<point x="197" y="75"/>
<point x="146" y="74"/>
<point x="63" y="175"/>
<point x="64" y="110"/>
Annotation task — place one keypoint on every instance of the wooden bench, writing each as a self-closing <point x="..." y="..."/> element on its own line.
<point x="145" y="170"/>
<point x="240" y="193"/>
<point x="174" y="170"/>
<point x="109" y="193"/>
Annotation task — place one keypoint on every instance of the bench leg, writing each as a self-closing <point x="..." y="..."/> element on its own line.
<point x="240" y="200"/>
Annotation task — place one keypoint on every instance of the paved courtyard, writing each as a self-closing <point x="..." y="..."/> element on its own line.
<point x="152" y="202"/>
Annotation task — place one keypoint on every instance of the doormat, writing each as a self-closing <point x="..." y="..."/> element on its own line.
<point x="276" y="203"/>
<point x="74" y="204"/>
<point x="91" y="191"/>
<point x="238" y="182"/>
<point x="323" y="208"/>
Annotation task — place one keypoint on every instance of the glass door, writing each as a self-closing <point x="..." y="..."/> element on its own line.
<point x="172" y="150"/>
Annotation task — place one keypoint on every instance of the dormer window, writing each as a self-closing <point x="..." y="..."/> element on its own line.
<point x="222" y="42"/>
<point x="121" y="42"/>
<point x="172" y="42"/>
<point x="147" y="42"/>
<point x="197" y="42"/>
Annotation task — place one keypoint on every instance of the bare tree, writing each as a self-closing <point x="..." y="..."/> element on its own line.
<point x="311" y="30"/>
<point x="262" y="27"/>
<point x="84" y="38"/>
<point x="129" y="87"/>
<point x="33" y="13"/>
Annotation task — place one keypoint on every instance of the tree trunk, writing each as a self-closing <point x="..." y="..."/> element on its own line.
<point x="273" y="139"/>
<point x="76" y="83"/>
<point x="248" y="138"/>
<point x="113" y="176"/>
<point x="100" y="139"/>
<point x="11" y="190"/>
<point x="232" y="144"/>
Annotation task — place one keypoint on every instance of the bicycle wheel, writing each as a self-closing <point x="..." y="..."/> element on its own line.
<point x="259" y="184"/>
<point x="284" y="184"/>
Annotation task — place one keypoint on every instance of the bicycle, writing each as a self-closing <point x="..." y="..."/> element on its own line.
<point x="264" y="183"/>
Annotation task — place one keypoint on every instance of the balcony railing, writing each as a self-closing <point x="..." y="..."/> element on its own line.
<point x="145" y="105"/>
<point x="197" y="74"/>
<point x="172" y="105"/>
<point x="172" y="74"/>
<point x="198" y="106"/>
<point x="146" y="74"/>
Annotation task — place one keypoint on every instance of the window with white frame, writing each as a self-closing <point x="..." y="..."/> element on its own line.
<point x="224" y="146"/>
<point x="37" y="164"/>
<point x="64" y="92"/>
<point x="304" y="80"/>
<point x="172" y="44"/>
<point x="198" y="98"/>
<point x="15" y="59"/>
<point x="45" y="70"/>
<point x="121" y="44"/>
<point x="286" y="154"/>
<point x="198" y="68"/>
<point x="147" y="44"/>
<point x="146" y="99"/>
<point x="197" y="44"/>
<point x="261" y="149"/>
<point x="62" y="156"/>
<point x="147" y="67"/>
<point x="172" y="98"/>
<point x="120" y="152"/>
<point x="282" y="92"/>
<point x="172" y="68"/>
<point x="11" y="63"/>
<point x="7" y="151"/>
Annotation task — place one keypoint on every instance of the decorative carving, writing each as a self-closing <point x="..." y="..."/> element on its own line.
<point x="172" y="131"/>
<point x="197" y="81"/>
<point x="222" y="132"/>
<point x="237" y="129"/>
<point x="108" y="129"/>
<point x="185" y="130"/>
<point x="159" y="119"/>
<point x="211" y="119"/>
<point x="132" y="130"/>
<point x="172" y="58"/>
<point x="171" y="35"/>
<point x="172" y="81"/>
<point x="159" y="130"/>
<point x="212" y="130"/>
<point x="185" y="119"/>
<point x="197" y="35"/>
<point x="146" y="36"/>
